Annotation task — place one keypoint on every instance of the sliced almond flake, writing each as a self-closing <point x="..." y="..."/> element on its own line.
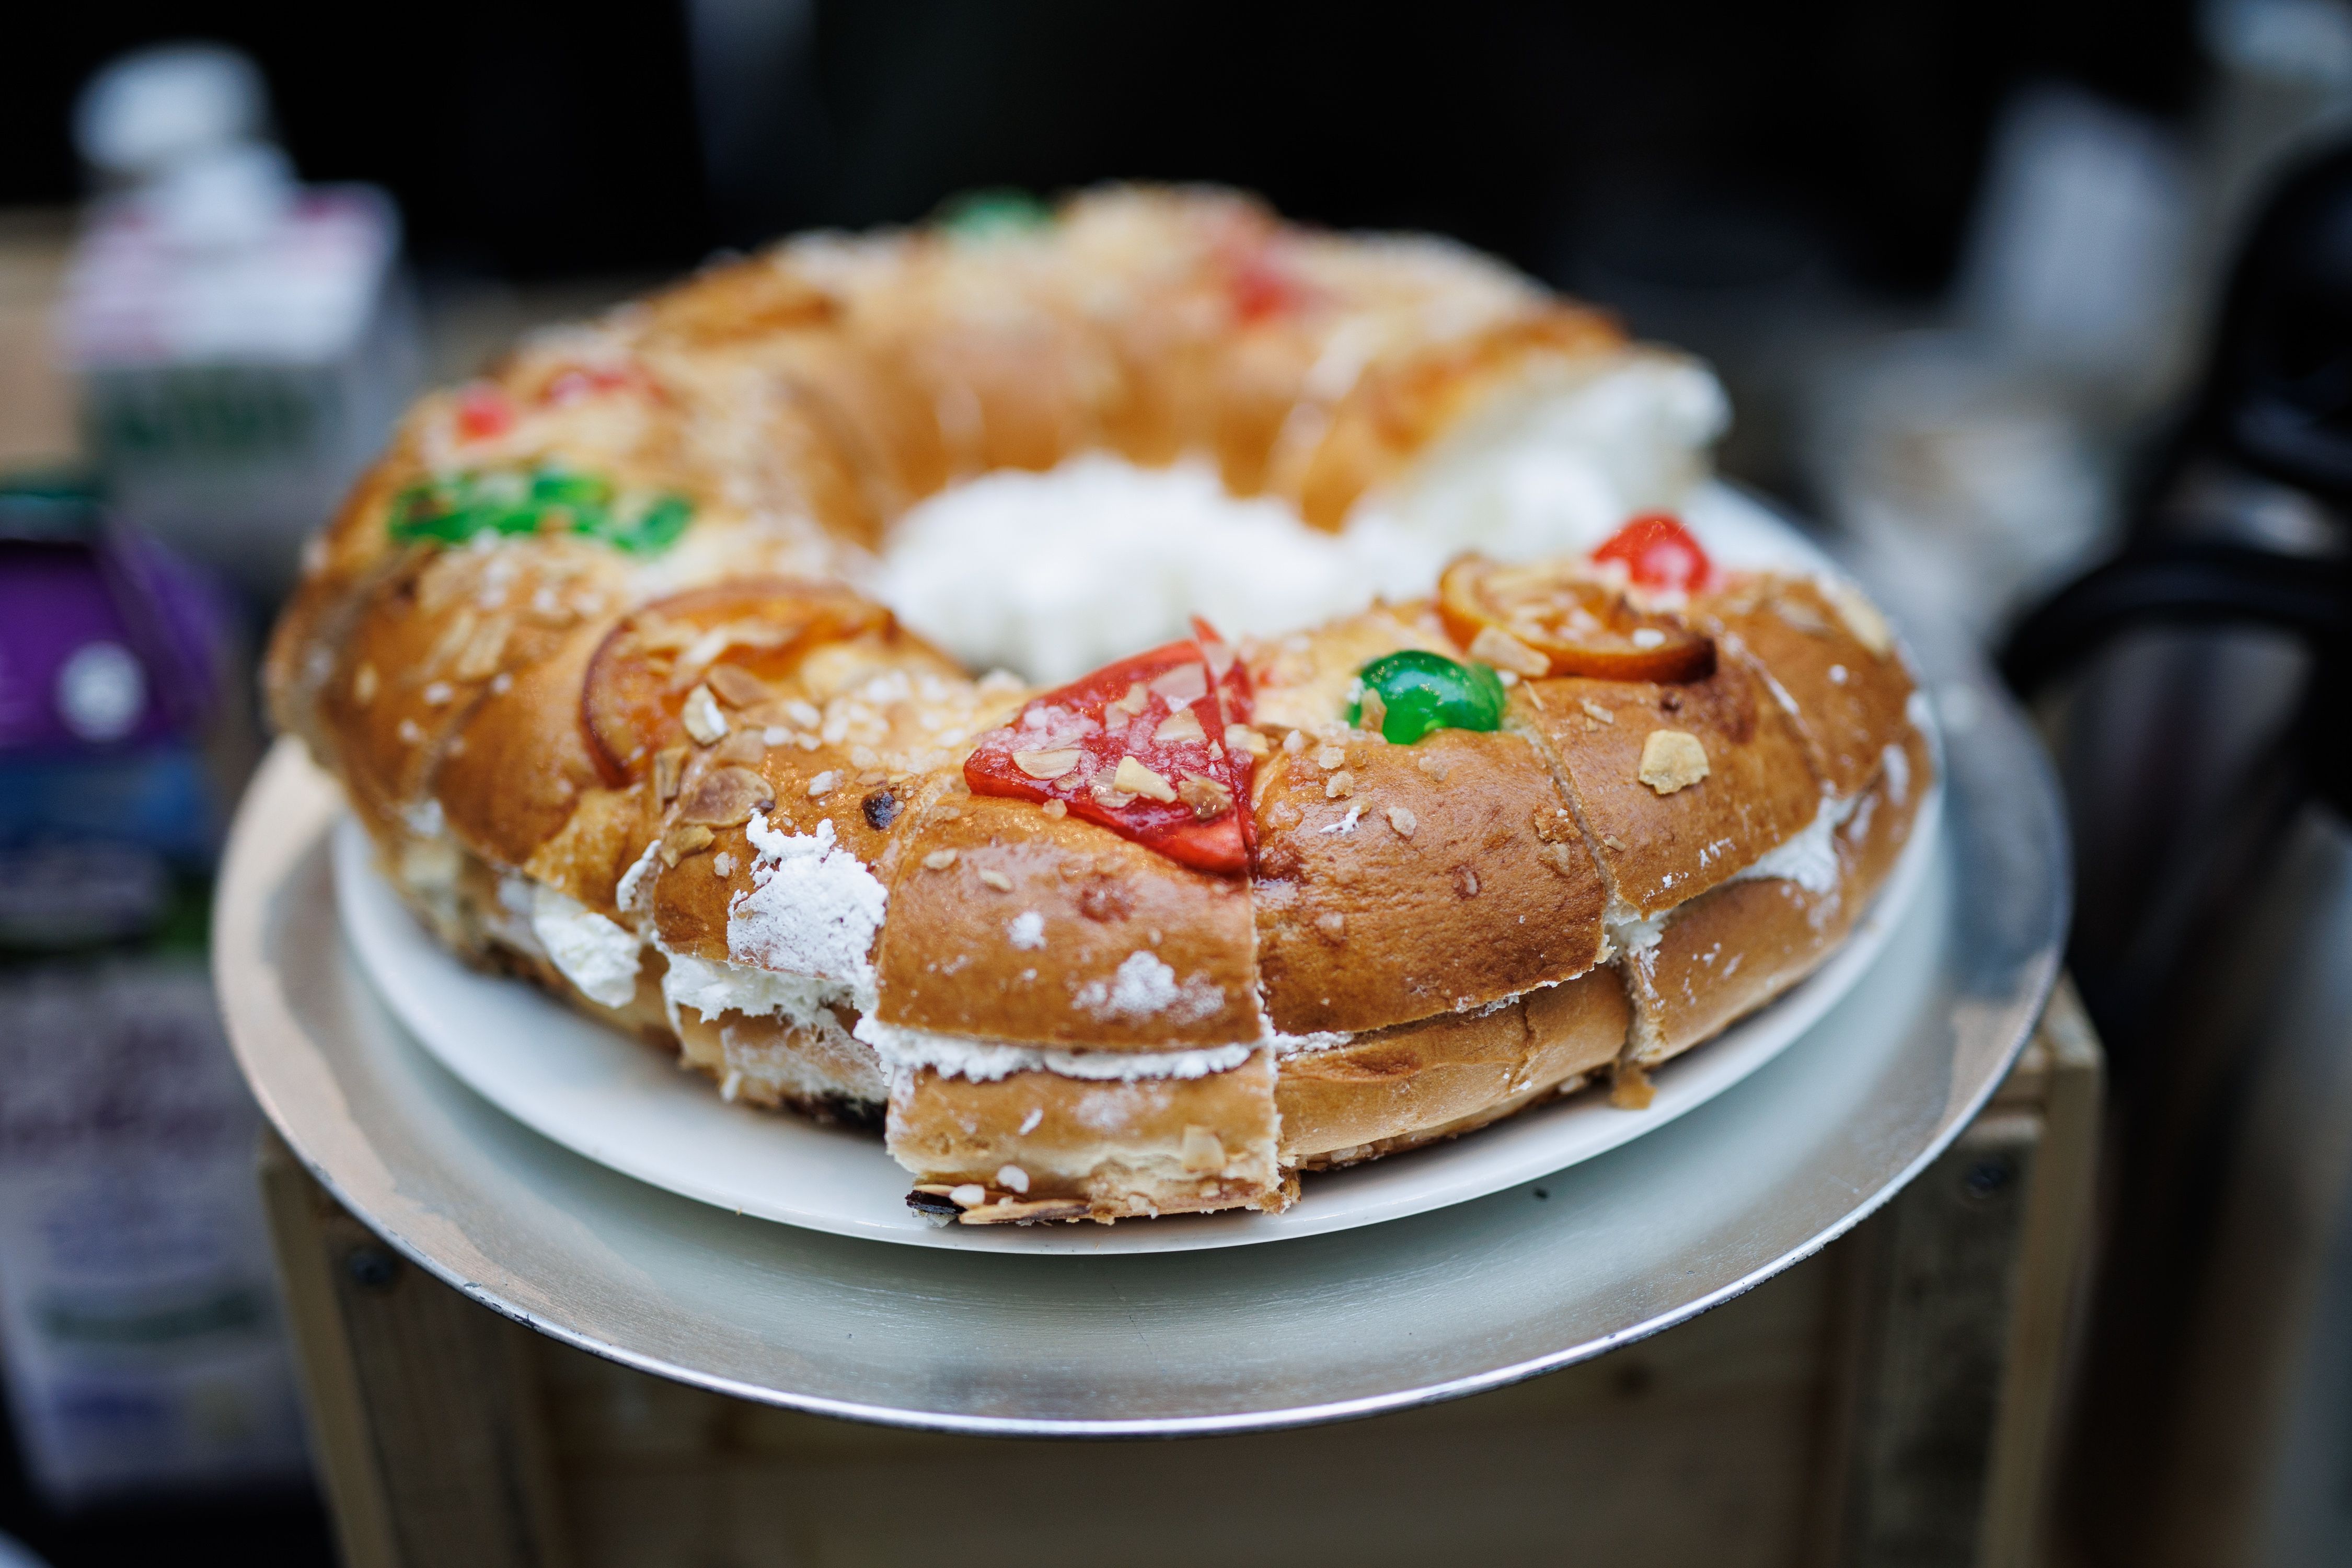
<point x="1186" y="683"/>
<point x="1134" y="778"/>
<point x="996" y="880"/>
<point x="740" y="747"/>
<point x="1207" y="797"/>
<point x="684" y="839"/>
<point x="1046" y="764"/>
<point x="484" y="649"/>
<point x="737" y="686"/>
<point x="1242" y="738"/>
<point x="724" y="797"/>
<point x="939" y="860"/>
<point x="703" y="718"/>
<point x="1595" y="711"/>
<point x="1499" y="648"/>
<point x="1672" y="760"/>
<point x="1181" y="725"/>
<point x="364" y="685"/>
<point x="1133" y="702"/>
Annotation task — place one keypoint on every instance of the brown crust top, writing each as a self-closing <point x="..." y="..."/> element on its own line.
<point x="1660" y="848"/>
<point x="1395" y="882"/>
<point x="548" y="705"/>
<point x="1009" y="925"/>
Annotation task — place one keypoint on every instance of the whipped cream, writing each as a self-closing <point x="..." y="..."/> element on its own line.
<point x="1055" y="574"/>
<point x="595" y="954"/>
<point x="904" y="1050"/>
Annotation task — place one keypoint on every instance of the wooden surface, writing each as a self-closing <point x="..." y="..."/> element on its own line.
<point x="37" y="397"/>
<point x="1888" y="1402"/>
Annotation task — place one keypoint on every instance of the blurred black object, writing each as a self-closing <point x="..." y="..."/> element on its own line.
<point x="2204" y="745"/>
<point x="536" y="139"/>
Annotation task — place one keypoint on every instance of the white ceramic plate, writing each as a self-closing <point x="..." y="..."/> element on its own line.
<point x="622" y="1104"/>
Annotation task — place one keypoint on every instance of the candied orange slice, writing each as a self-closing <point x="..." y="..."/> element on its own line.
<point x="728" y="642"/>
<point x="1560" y="618"/>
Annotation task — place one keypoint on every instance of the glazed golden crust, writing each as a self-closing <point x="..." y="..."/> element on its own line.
<point x="1398" y="882"/>
<point x="509" y="711"/>
<point x="1846" y="699"/>
<point x="1727" y="952"/>
<point x="1659" y="848"/>
<point x="1393" y="1088"/>
<point x="1010" y="925"/>
<point x="519" y="767"/>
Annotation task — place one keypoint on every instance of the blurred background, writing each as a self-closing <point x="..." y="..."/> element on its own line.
<point x="1967" y="269"/>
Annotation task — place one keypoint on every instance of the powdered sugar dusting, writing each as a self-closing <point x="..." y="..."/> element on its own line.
<point x="812" y="909"/>
<point x="1144" y="987"/>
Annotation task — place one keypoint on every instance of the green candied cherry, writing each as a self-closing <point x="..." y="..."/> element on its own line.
<point x="1421" y="691"/>
<point x="648" y="532"/>
<point x="454" y="507"/>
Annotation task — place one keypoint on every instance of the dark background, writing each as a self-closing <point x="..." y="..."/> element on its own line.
<point x="544" y="141"/>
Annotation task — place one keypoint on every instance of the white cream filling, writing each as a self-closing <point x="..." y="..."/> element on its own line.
<point x="633" y="880"/>
<point x="903" y="1050"/>
<point x="812" y="909"/>
<point x="593" y="953"/>
<point x="1630" y="933"/>
<point x="711" y="989"/>
<point x="1306" y="1045"/>
<point x="1056" y="574"/>
<point x="1809" y="858"/>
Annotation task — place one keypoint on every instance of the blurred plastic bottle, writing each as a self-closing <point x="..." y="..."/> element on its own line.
<point x="243" y="342"/>
<point x="140" y="1331"/>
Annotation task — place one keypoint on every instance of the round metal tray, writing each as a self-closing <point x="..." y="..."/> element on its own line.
<point x="1319" y="1328"/>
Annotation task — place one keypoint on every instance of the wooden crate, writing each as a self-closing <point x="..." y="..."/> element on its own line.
<point x="1889" y="1402"/>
